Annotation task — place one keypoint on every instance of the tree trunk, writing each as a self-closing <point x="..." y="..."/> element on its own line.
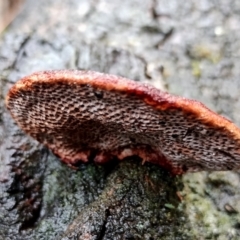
<point x="40" y="198"/>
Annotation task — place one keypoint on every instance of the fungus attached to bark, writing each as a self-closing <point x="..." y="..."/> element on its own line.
<point x="82" y="115"/>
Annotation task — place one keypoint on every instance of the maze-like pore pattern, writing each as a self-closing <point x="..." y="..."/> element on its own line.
<point x="81" y="117"/>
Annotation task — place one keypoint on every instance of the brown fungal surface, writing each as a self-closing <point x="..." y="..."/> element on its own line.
<point x="84" y="115"/>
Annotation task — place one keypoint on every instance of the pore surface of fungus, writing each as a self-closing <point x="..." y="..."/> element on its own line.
<point x="83" y="115"/>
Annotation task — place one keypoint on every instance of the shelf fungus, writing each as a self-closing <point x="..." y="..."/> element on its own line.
<point x="84" y="115"/>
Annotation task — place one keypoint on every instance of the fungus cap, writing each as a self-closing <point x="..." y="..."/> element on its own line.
<point x="84" y="115"/>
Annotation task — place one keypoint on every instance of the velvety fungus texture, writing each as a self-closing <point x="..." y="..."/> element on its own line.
<point x="84" y="115"/>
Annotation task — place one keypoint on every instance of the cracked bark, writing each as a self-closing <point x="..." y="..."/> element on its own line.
<point x="131" y="206"/>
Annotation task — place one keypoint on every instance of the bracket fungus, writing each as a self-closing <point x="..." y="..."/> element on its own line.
<point x="85" y="115"/>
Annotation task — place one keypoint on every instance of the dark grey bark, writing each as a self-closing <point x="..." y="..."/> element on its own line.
<point x="179" y="46"/>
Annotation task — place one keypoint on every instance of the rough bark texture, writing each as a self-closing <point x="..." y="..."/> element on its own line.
<point x="190" y="48"/>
